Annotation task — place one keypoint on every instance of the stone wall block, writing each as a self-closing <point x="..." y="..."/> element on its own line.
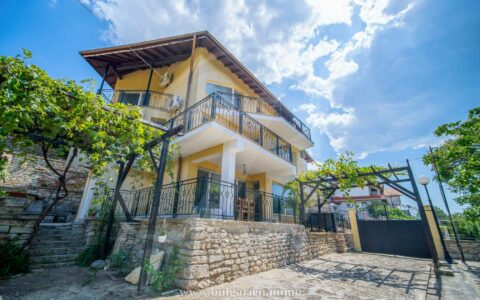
<point x="217" y="251"/>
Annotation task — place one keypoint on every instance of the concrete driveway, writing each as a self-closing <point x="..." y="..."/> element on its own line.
<point x="333" y="276"/>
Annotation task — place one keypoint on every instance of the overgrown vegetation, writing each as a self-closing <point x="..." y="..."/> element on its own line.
<point x="94" y="251"/>
<point x="121" y="261"/>
<point x="467" y="228"/>
<point x="164" y="278"/>
<point x="13" y="260"/>
<point x="458" y="161"/>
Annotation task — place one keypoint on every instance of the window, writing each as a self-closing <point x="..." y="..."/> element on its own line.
<point x="131" y="98"/>
<point x="279" y="197"/>
<point x="227" y="93"/>
<point x="242" y="189"/>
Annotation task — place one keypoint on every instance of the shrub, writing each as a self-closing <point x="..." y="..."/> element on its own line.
<point x="121" y="261"/>
<point x="89" y="255"/>
<point x="13" y="259"/>
<point x="164" y="279"/>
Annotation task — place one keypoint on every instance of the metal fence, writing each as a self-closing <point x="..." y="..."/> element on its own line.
<point x="326" y="221"/>
<point x="146" y="98"/>
<point x="255" y="105"/>
<point x="466" y="229"/>
<point x="208" y="198"/>
<point x="381" y="210"/>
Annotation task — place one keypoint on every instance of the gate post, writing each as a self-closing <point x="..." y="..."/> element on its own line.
<point x="354" y="228"/>
<point x="435" y="234"/>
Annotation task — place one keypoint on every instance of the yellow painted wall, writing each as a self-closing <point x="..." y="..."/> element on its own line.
<point x="213" y="71"/>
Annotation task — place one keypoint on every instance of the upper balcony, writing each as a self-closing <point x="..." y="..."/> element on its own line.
<point x="274" y="116"/>
<point x="215" y="108"/>
<point x="145" y="98"/>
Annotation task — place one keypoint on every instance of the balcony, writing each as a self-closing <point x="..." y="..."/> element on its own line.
<point x="214" y="108"/>
<point x="208" y="198"/>
<point x="263" y="111"/>
<point x="145" y="98"/>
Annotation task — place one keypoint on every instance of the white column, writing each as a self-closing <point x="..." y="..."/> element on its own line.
<point x="230" y="150"/>
<point x="87" y="198"/>
<point x="88" y="192"/>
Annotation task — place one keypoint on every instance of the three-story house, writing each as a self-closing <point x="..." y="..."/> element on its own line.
<point x="240" y="144"/>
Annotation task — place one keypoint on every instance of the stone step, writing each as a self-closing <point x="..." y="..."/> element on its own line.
<point x="53" y="259"/>
<point x="55" y="227"/>
<point x="52" y="265"/>
<point x="38" y="252"/>
<point x="56" y="235"/>
<point x="54" y="238"/>
<point x="53" y="244"/>
<point x="57" y="230"/>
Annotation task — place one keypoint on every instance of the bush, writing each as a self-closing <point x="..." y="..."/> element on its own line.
<point x="467" y="229"/>
<point x="121" y="261"/>
<point x="164" y="279"/>
<point x="89" y="255"/>
<point x="13" y="260"/>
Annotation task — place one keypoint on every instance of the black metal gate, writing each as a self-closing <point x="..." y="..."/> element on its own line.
<point x="399" y="237"/>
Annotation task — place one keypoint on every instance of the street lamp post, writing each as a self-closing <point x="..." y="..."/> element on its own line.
<point x="424" y="180"/>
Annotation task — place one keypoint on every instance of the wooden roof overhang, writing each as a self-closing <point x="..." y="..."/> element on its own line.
<point x="158" y="53"/>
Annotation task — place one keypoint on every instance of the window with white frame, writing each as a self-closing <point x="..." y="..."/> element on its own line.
<point x="226" y="92"/>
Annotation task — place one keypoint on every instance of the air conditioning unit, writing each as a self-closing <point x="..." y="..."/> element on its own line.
<point x="175" y="103"/>
<point x="166" y="79"/>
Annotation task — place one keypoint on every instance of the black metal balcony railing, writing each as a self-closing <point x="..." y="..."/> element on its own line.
<point x="146" y="98"/>
<point x="260" y="106"/>
<point x="215" y="108"/>
<point x="208" y="198"/>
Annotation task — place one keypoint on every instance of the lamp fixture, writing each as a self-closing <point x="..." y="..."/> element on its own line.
<point x="423" y="180"/>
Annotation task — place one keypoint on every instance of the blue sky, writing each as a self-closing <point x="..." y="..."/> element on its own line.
<point x="372" y="76"/>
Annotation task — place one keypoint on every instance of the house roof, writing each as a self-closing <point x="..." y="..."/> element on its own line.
<point x="391" y="193"/>
<point x="358" y="198"/>
<point x="128" y="58"/>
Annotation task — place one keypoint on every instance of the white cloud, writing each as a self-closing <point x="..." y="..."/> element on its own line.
<point x="278" y="41"/>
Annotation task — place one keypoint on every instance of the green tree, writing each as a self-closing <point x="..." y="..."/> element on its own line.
<point x="467" y="228"/>
<point x="458" y="160"/>
<point x="59" y="117"/>
<point x="441" y="214"/>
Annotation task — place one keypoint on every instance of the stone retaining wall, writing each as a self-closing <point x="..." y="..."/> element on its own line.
<point x="28" y="185"/>
<point x="471" y="249"/>
<point x="218" y="251"/>
<point x="14" y="223"/>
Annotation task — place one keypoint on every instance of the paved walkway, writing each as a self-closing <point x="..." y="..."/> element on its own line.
<point x="334" y="276"/>
<point x="464" y="285"/>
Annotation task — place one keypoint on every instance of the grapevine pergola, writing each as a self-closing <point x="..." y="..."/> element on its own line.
<point x="390" y="176"/>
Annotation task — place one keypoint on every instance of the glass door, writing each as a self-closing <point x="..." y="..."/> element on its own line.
<point x="207" y="194"/>
<point x="257" y="196"/>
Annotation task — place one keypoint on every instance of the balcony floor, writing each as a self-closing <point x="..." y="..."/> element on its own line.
<point x="256" y="159"/>
<point x="281" y="127"/>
